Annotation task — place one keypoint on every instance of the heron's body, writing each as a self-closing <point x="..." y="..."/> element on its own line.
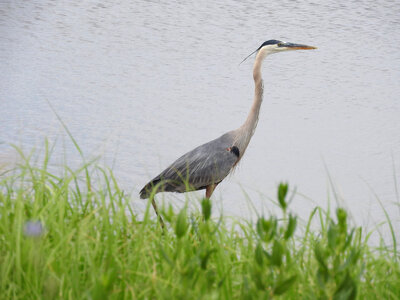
<point x="207" y="165"/>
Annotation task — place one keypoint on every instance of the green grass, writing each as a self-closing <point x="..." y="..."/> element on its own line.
<point x="89" y="244"/>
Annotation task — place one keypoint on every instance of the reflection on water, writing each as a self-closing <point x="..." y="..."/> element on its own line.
<point x="143" y="82"/>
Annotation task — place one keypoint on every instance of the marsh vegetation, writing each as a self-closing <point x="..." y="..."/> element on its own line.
<point x="75" y="236"/>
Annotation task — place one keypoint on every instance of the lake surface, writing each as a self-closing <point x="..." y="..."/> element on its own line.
<point x="142" y="82"/>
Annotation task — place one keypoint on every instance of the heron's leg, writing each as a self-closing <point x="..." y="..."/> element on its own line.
<point x="157" y="213"/>
<point x="210" y="189"/>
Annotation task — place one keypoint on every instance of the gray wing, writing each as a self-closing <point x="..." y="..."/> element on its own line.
<point x="205" y="165"/>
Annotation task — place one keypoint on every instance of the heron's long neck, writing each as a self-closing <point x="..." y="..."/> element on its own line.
<point x="246" y="131"/>
<point x="252" y="118"/>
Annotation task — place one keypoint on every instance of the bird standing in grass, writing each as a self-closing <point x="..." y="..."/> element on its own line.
<point x="207" y="165"/>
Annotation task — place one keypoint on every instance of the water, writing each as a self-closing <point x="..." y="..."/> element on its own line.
<point x="141" y="83"/>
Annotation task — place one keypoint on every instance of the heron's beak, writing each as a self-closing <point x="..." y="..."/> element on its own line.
<point x="292" y="46"/>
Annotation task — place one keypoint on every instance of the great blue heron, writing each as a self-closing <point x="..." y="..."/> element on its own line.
<point x="207" y="165"/>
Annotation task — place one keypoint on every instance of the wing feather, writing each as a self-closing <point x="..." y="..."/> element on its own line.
<point x="207" y="164"/>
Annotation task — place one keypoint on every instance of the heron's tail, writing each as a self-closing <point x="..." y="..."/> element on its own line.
<point x="144" y="194"/>
<point x="162" y="185"/>
<point x="148" y="188"/>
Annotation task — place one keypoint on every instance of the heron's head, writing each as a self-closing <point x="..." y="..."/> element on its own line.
<point x="276" y="46"/>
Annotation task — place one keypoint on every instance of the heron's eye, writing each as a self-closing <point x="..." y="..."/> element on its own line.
<point x="280" y="44"/>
